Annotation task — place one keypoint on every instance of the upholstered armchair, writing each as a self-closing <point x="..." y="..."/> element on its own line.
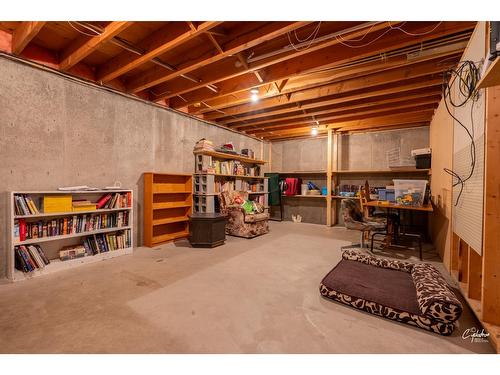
<point x="239" y="223"/>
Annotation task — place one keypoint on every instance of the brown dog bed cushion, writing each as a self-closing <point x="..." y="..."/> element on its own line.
<point x="413" y="294"/>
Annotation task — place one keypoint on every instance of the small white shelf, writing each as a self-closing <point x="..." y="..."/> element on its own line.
<point x="56" y="265"/>
<point x="72" y="213"/>
<point x="72" y="235"/>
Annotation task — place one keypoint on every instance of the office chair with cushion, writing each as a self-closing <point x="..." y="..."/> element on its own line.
<point x="354" y="220"/>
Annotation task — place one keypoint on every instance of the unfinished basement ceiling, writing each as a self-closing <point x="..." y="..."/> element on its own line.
<point x="347" y="76"/>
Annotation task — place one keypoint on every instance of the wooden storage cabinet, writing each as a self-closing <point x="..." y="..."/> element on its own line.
<point x="167" y="204"/>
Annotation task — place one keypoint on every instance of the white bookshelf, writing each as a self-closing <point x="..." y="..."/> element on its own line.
<point x="52" y="244"/>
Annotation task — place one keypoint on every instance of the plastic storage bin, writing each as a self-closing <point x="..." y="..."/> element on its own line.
<point x="410" y="192"/>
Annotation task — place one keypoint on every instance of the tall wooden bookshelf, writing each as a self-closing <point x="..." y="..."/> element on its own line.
<point x="167" y="204"/>
<point x="52" y="244"/>
<point x="206" y="184"/>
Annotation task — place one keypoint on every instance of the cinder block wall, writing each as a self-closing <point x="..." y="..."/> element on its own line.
<point x="58" y="132"/>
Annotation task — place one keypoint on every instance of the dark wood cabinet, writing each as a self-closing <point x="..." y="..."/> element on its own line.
<point x="207" y="230"/>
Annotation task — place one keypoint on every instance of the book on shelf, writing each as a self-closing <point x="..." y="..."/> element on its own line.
<point x="24" y="205"/>
<point x="235" y="167"/>
<point x="72" y="252"/>
<point x="69" y="225"/>
<point x="114" y="200"/>
<point x="101" y="243"/>
<point x="29" y="258"/>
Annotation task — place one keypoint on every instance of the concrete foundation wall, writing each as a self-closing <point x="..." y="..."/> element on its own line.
<point x="362" y="151"/>
<point x="58" y="132"/>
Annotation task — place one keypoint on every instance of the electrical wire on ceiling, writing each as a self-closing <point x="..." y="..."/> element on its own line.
<point x="309" y="40"/>
<point x="83" y="32"/>
<point x="413" y="34"/>
<point x="342" y="41"/>
<point x="466" y="75"/>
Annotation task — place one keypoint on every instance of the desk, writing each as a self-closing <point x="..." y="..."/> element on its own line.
<point x="388" y="206"/>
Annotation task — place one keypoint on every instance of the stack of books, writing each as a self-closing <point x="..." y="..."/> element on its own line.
<point x="83" y="205"/>
<point x="203" y="145"/>
<point x="72" y="252"/>
<point x="30" y="258"/>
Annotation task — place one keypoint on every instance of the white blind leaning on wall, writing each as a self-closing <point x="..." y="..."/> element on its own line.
<point x="468" y="214"/>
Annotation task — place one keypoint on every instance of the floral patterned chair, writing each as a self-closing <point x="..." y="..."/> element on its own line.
<point x="239" y="223"/>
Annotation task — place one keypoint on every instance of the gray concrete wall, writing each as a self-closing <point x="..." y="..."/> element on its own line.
<point x="368" y="151"/>
<point x="361" y="151"/>
<point x="58" y="132"/>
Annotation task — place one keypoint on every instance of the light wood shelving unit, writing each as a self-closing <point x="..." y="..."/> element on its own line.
<point x="52" y="244"/>
<point x="167" y="204"/>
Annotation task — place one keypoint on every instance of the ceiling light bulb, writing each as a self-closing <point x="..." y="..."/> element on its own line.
<point x="254" y="97"/>
<point x="314" y="130"/>
<point x="254" y="91"/>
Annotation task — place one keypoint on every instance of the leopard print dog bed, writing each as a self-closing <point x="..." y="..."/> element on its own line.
<point x="415" y="294"/>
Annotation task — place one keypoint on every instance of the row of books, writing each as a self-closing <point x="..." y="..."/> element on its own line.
<point x="30" y="258"/>
<point x="220" y="186"/>
<point x="252" y="186"/>
<point x="24" y="205"/>
<point x="115" y="200"/>
<point x="235" y="167"/>
<point x="101" y="243"/>
<point x="68" y="225"/>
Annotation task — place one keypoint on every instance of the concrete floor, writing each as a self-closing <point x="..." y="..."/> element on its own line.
<point x="248" y="296"/>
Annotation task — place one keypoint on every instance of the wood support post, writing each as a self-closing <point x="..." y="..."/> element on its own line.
<point x="329" y="179"/>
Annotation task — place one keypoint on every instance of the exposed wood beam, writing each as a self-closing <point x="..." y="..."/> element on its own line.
<point x="420" y="119"/>
<point x="344" y="112"/>
<point x="287" y="65"/>
<point x="405" y="110"/>
<point x="23" y="34"/>
<point x="268" y="32"/>
<point x="365" y="82"/>
<point x="307" y="134"/>
<point x="84" y="46"/>
<point x="320" y="78"/>
<point x="156" y="44"/>
<point x="355" y="105"/>
<point x="214" y="42"/>
<point x="400" y="88"/>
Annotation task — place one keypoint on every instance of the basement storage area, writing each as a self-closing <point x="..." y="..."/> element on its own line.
<point x="249" y="187"/>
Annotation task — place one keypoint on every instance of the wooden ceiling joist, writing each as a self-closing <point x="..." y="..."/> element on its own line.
<point x="321" y="78"/>
<point x="366" y="82"/>
<point x="85" y="45"/>
<point x="268" y="32"/>
<point x="325" y="55"/>
<point x="381" y="123"/>
<point x="400" y="88"/>
<point x="347" y="118"/>
<point x="156" y="44"/>
<point x="351" y="77"/>
<point x="359" y="110"/>
<point x="24" y="34"/>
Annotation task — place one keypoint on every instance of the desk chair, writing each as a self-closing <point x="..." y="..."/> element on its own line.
<point x="354" y="220"/>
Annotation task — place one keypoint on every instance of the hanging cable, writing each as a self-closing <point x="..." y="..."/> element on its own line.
<point x="466" y="75"/>
<point x="83" y="32"/>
